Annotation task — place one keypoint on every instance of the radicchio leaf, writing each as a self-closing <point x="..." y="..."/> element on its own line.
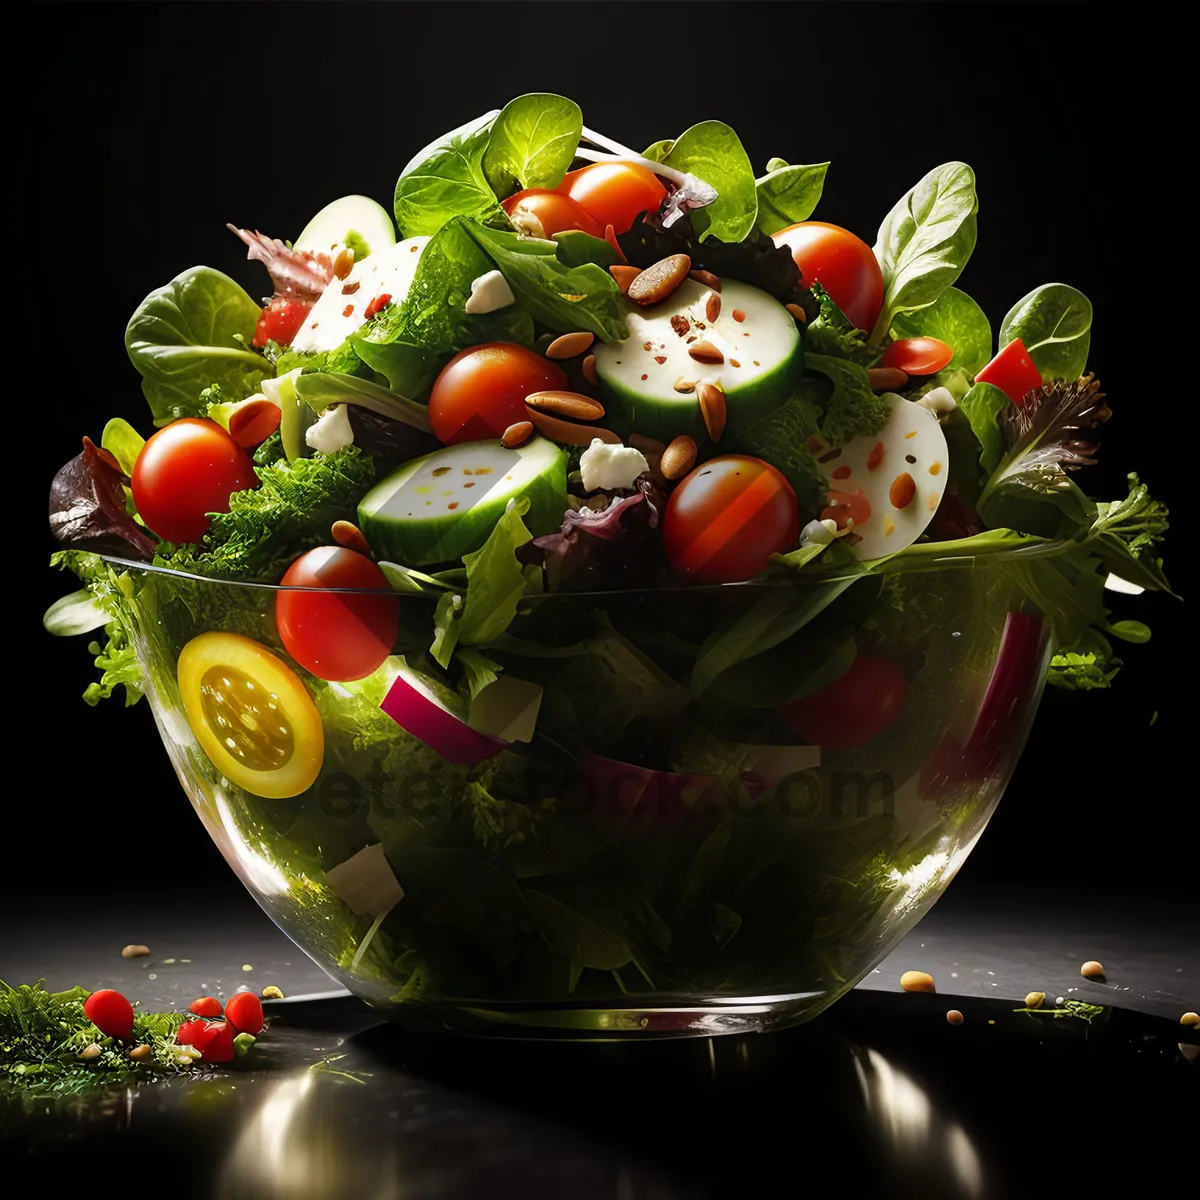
<point x="87" y="507"/>
<point x="601" y="551"/>
<point x="1052" y="430"/>
<point x="296" y="274"/>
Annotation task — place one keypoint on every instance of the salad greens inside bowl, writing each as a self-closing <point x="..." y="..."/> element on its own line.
<point x="595" y="599"/>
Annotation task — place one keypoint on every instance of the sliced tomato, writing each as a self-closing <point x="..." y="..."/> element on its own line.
<point x="280" y="321"/>
<point x="337" y="635"/>
<point x="727" y="518"/>
<point x="614" y="193"/>
<point x="543" y="213"/>
<point x="853" y="710"/>
<point x="1013" y="372"/>
<point x="918" y="355"/>
<point x="251" y="714"/>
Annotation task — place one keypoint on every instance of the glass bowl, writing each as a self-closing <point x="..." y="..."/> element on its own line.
<point x="665" y="855"/>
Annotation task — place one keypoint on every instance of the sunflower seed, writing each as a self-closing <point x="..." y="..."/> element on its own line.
<point x="712" y="307"/>
<point x="712" y="409"/>
<point x="566" y="404"/>
<point x="624" y="275"/>
<point x="568" y="345"/>
<point x="706" y="278"/>
<point x="589" y="369"/>
<point x="886" y="379"/>
<point x="347" y="534"/>
<point x="567" y="432"/>
<point x="517" y="435"/>
<point x="706" y="352"/>
<point x="678" y="458"/>
<point x="658" y="281"/>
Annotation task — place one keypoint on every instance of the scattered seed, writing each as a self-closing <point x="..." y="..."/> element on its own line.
<point x="589" y="369"/>
<point x="712" y="409"/>
<point x="707" y="278"/>
<point x="685" y="385"/>
<point x="1190" y="1051"/>
<point x="90" y="1052"/>
<point x="246" y="967"/>
<point x="140" y="1053"/>
<point x="135" y="951"/>
<point x="344" y="263"/>
<point x="706" y="352"/>
<point x="680" y="324"/>
<point x="733" y="362"/>
<point x="886" y="379"/>
<point x="798" y="313"/>
<point x="902" y="491"/>
<point x="712" y="307"/>
<point x="567" y="432"/>
<point x="740" y="316"/>
<point x="954" y="1017"/>
<point x="1035" y="999"/>
<point x="657" y="282"/>
<point x="678" y="458"/>
<point x="517" y="435"/>
<point x="568" y="345"/>
<point x="566" y="404"/>
<point x="917" y="981"/>
<point x="1092" y="970"/>
<point x="347" y="534"/>
<point x="624" y="275"/>
<point x="271" y="992"/>
<point x="1190" y="1018"/>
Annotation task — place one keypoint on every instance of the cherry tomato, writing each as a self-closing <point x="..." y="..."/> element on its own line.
<point x="110" y="1012"/>
<point x="215" y="1041"/>
<point x="186" y="471"/>
<point x="543" y="213"/>
<point x="188" y="1032"/>
<point x="727" y="518"/>
<point x="205" y="1006"/>
<point x="481" y="391"/>
<point x="844" y="265"/>
<point x="251" y="714"/>
<point x="280" y="321"/>
<point x="614" y="193"/>
<point x="918" y="355"/>
<point x="244" y="1012"/>
<point x="337" y="636"/>
<point x="1013" y="372"/>
<point x="854" y="709"/>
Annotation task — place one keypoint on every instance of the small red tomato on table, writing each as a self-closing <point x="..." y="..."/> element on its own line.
<point x="205" y="1006"/>
<point x="214" y="1041"/>
<point x="110" y="1012"/>
<point x="244" y="1011"/>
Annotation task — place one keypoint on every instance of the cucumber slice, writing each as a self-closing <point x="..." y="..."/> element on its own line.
<point x="438" y="508"/>
<point x="639" y="391"/>
<point x="342" y="306"/>
<point x="354" y="221"/>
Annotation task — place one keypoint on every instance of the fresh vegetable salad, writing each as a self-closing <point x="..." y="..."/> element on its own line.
<point x="602" y="498"/>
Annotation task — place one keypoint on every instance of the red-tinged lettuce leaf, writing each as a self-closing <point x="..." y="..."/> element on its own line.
<point x="87" y="507"/>
<point x="620" y="547"/>
<point x="296" y="274"/>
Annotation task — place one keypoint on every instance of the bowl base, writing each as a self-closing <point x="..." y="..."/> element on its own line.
<point x="611" y="1023"/>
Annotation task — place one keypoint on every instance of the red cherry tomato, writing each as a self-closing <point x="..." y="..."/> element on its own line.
<point x="854" y="709"/>
<point x="336" y="635"/>
<point x="844" y="265"/>
<point x="614" y="193"/>
<point x="215" y="1041"/>
<point x="205" y="1006"/>
<point x="110" y="1012"/>
<point x="543" y="213"/>
<point x="189" y="1031"/>
<point x="1013" y="372"/>
<point x="481" y="391"/>
<point x="280" y="321"/>
<point x="918" y="355"/>
<point x="186" y="471"/>
<point x="244" y="1011"/>
<point x="727" y="518"/>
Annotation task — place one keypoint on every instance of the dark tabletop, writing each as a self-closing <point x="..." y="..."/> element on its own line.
<point x="880" y="1096"/>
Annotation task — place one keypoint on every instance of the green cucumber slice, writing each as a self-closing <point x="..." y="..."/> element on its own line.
<point x="438" y="508"/>
<point x="354" y="221"/>
<point x="639" y="391"/>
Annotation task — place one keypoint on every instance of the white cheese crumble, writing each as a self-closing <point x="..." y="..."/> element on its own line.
<point x="939" y="401"/>
<point x="488" y="293"/>
<point x="610" y="467"/>
<point x="1115" y="583"/>
<point x="332" y="431"/>
<point x="820" y="533"/>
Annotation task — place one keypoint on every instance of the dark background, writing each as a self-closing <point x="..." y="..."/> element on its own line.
<point x="150" y="126"/>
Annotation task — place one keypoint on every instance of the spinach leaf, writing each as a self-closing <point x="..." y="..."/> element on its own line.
<point x="532" y="143"/>
<point x="959" y="322"/>
<point x="658" y="151"/>
<point x="924" y="242"/>
<point x="982" y="406"/>
<point x="564" y="298"/>
<point x="194" y="332"/>
<point x="319" y="390"/>
<point x="448" y="181"/>
<point x="1055" y="324"/>
<point x="787" y="194"/>
<point x="575" y="248"/>
<point x="410" y="342"/>
<point x="580" y="939"/>
<point x="711" y="151"/>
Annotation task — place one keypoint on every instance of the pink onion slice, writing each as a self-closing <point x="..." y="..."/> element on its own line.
<point x="417" y="711"/>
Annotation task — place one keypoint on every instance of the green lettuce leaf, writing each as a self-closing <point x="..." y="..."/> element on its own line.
<point x="787" y="194"/>
<point x="532" y="143"/>
<point x="712" y="151"/>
